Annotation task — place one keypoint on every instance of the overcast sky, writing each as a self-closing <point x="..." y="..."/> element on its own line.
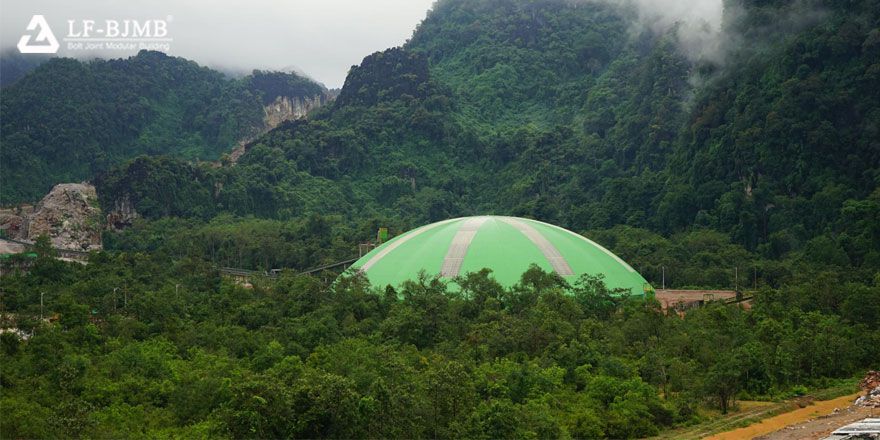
<point x="321" y="38"/>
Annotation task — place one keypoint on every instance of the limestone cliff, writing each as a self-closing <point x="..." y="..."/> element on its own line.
<point x="284" y="108"/>
<point x="122" y="215"/>
<point x="68" y="214"/>
<point x="13" y="221"/>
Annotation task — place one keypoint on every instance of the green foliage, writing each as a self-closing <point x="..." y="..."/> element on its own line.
<point x="158" y="187"/>
<point x="131" y="355"/>
<point x="67" y="120"/>
<point x="556" y="111"/>
<point x="14" y="64"/>
<point x="273" y="84"/>
<point x="761" y="171"/>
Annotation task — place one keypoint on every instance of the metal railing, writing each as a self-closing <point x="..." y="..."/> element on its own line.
<point x="273" y="273"/>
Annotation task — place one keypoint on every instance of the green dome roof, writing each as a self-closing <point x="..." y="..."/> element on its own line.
<point x="506" y="245"/>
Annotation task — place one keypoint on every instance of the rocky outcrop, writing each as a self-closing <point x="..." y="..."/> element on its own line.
<point x="122" y="215"/>
<point x="13" y="221"/>
<point x="871" y="385"/>
<point x="69" y="215"/>
<point x="284" y="108"/>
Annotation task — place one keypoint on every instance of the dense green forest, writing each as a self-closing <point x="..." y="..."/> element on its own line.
<point x="511" y="107"/>
<point x="761" y="170"/>
<point x="67" y="120"/>
<point x="14" y="65"/>
<point x="151" y="347"/>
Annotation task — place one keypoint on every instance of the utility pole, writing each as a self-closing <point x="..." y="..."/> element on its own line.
<point x="663" y="269"/>
<point x="736" y="278"/>
<point x="114" y="298"/>
<point x="41" y="305"/>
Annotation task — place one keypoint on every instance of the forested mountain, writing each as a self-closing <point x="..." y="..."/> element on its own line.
<point x="14" y="65"/>
<point x="559" y="111"/>
<point x="67" y="120"/>
<point x="758" y="165"/>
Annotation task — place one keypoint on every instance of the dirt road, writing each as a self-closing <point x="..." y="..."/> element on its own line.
<point x="811" y="422"/>
<point x="821" y="427"/>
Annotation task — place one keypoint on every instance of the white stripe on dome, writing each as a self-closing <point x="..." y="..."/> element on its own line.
<point x="599" y="246"/>
<point x="460" y="244"/>
<point x="557" y="261"/>
<point x="392" y="246"/>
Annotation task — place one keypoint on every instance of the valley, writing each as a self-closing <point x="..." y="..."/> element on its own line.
<point x="217" y="216"/>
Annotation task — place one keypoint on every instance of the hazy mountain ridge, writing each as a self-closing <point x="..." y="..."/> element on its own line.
<point x="15" y="65"/>
<point x="462" y="121"/>
<point x="561" y="111"/>
<point x="67" y="120"/>
<point x="615" y="130"/>
<point x="754" y="169"/>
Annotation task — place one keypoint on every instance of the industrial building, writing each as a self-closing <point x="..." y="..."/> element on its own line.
<point x="506" y="245"/>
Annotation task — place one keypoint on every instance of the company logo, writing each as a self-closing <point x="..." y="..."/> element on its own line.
<point x="92" y="35"/>
<point x="46" y="39"/>
<point x="125" y="34"/>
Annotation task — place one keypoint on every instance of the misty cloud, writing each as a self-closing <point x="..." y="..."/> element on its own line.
<point x="698" y="23"/>
<point x="322" y="38"/>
